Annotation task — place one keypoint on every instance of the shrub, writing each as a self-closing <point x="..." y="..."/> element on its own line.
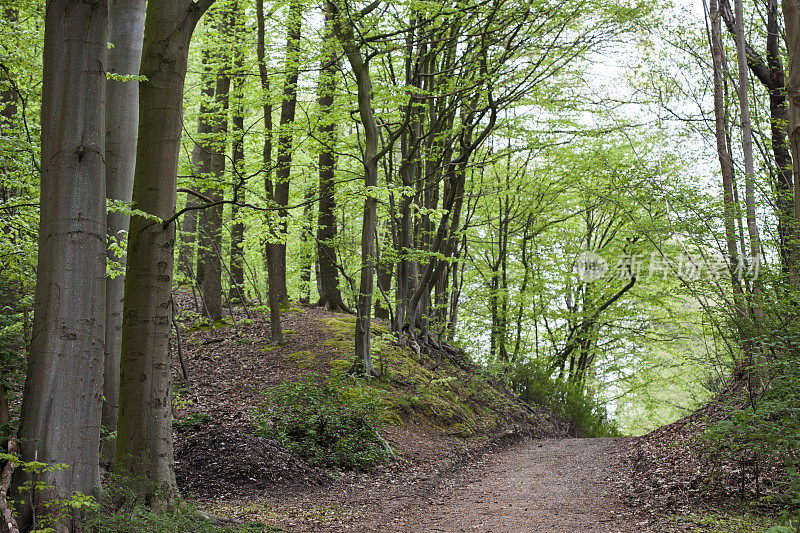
<point x="121" y="510"/>
<point x="332" y="423"/>
<point x="584" y="416"/>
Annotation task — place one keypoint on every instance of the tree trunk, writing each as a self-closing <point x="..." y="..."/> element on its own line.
<point x="62" y="402"/>
<point x="210" y="227"/>
<point x="791" y="17"/>
<point x="726" y="163"/>
<point x="747" y="149"/>
<point x="144" y="441"/>
<point x="345" y="34"/>
<point x="239" y="191"/>
<point x="270" y="251"/>
<point x="330" y="294"/>
<point x="125" y="32"/>
<point x="771" y="75"/>
<point x="283" y="167"/>
<point x="267" y="110"/>
<point x="201" y="165"/>
<point x="307" y="249"/>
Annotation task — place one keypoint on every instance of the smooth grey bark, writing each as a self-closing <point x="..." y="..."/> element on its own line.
<point x="209" y="264"/>
<point x="725" y="160"/>
<point x="125" y="32"/>
<point x="144" y="440"/>
<point x="266" y="153"/>
<point x="769" y="71"/>
<point x="307" y="255"/>
<point x="747" y="147"/>
<point x="201" y="163"/>
<point x="62" y="402"/>
<point x="270" y="251"/>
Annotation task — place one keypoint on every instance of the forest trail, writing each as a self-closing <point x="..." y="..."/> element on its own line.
<point x="553" y="485"/>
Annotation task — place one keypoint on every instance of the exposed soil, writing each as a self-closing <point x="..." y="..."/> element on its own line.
<point x="558" y="485"/>
<point x="220" y="462"/>
<point x="439" y="482"/>
<point x="545" y="485"/>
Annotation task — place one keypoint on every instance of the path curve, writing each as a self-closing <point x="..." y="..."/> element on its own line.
<point x="551" y="485"/>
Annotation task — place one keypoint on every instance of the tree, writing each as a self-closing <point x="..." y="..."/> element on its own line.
<point x="144" y="439"/>
<point x="791" y="17"/>
<point x="209" y="267"/>
<point x="237" y="161"/>
<point x="61" y="410"/>
<point x="344" y="31"/>
<point x="330" y="295"/>
<point x="125" y="33"/>
<point x="279" y="191"/>
<point x="770" y="74"/>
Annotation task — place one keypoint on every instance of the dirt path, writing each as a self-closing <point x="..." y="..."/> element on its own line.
<point x="555" y="485"/>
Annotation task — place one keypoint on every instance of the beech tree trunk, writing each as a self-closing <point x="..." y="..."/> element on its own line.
<point x="210" y="223"/>
<point x="726" y="163"/>
<point x="201" y="164"/>
<point x="283" y="167"/>
<point x="770" y="73"/>
<point x="747" y="149"/>
<point x="307" y="255"/>
<point x="125" y="32"/>
<point x="62" y="402"/>
<point x="144" y="440"/>
<point x="270" y="251"/>
<point x="791" y="16"/>
<point x="237" y="231"/>
<point x="330" y="294"/>
<point x="345" y="34"/>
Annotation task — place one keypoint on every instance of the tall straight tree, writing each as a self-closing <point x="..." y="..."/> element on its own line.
<point x="144" y="438"/>
<point x="330" y="295"/>
<point x="791" y="18"/>
<point x="725" y="160"/>
<point x="237" y="162"/>
<point x="61" y="407"/>
<point x="209" y="264"/>
<point x="345" y="33"/>
<point x="271" y="252"/>
<point x="125" y="33"/>
<point x="283" y="167"/>
<point x="747" y="146"/>
<point x="769" y="71"/>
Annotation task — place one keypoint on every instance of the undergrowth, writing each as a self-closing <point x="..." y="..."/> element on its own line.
<point x="419" y="389"/>
<point x="120" y="510"/>
<point x="332" y="422"/>
<point x="570" y="403"/>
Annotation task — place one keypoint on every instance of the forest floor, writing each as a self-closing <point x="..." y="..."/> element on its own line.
<point x="483" y="462"/>
<point x="552" y="485"/>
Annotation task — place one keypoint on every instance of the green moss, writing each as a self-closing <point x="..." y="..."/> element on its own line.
<point x="723" y="522"/>
<point x="303" y="359"/>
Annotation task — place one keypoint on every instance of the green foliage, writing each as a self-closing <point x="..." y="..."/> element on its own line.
<point x="571" y="403"/>
<point x="51" y="512"/>
<point x="120" y="510"/>
<point x="332" y="422"/>
<point x="759" y="428"/>
<point x="190" y="421"/>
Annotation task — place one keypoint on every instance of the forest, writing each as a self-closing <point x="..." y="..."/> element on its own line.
<point x="322" y="228"/>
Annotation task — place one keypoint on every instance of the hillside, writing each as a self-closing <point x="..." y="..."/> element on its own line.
<point x="437" y="415"/>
